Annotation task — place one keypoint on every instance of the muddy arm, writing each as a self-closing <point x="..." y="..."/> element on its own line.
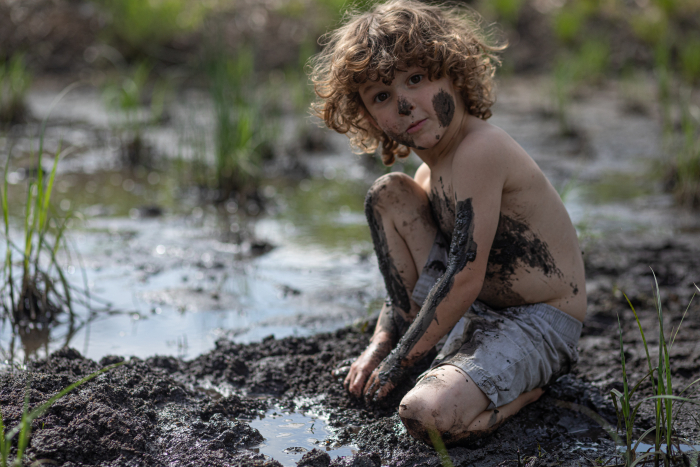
<point x="417" y="340"/>
<point x="391" y="322"/>
<point x="478" y="178"/>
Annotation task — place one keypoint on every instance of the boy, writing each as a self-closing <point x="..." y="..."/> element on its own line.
<point x="477" y="249"/>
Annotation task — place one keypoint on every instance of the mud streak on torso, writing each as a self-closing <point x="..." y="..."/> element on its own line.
<point x="515" y="247"/>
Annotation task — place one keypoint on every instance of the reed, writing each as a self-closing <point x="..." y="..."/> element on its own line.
<point x="686" y="163"/>
<point x="33" y="287"/>
<point x="139" y="102"/>
<point x="15" y="80"/>
<point x="663" y="399"/>
<point x="241" y="130"/>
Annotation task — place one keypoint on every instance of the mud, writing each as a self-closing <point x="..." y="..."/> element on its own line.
<point x="402" y="139"/>
<point x="392" y="279"/>
<point x="443" y="210"/>
<point x="163" y="410"/>
<point x="404" y="107"/>
<point x="392" y="322"/>
<point x="444" y="105"/>
<point x="516" y="245"/>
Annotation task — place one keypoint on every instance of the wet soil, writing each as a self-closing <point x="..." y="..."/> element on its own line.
<point x="164" y="410"/>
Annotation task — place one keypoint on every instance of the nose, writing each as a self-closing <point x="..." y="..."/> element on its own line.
<point x="405" y="107"/>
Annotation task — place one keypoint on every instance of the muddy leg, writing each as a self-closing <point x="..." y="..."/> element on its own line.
<point x="447" y="400"/>
<point x="403" y="230"/>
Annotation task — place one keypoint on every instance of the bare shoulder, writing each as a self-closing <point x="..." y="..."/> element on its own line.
<point x="492" y="155"/>
<point x="422" y="176"/>
<point x="486" y="150"/>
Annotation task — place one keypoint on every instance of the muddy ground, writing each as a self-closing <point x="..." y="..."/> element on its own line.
<point x="163" y="411"/>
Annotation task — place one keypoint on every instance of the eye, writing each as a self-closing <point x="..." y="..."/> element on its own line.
<point x="381" y="97"/>
<point x="415" y="79"/>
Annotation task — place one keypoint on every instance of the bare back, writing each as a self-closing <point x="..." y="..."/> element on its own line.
<point x="535" y="256"/>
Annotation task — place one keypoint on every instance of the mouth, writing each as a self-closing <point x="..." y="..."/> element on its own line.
<point x="414" y="127"/>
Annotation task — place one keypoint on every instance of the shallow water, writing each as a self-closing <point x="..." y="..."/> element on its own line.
<point x="178" y="281"/>
<point x="692" y="451"/>
<point x="289" y="435"/>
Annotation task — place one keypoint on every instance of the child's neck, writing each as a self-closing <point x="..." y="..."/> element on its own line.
<point x="447" y="146"/>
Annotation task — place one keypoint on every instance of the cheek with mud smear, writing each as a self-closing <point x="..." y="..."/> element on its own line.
<point x="403" y="139"/>
<point x="444" y="105"/>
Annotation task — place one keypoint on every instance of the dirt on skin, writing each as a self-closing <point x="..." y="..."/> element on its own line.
<point x="162" y="411"/>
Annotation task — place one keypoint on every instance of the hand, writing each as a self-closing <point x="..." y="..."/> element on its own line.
<point x="384" y="379"/>
<point x="378" y="348"/>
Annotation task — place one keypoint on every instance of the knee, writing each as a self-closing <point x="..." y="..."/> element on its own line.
<point x="390" y="189"/>
<point x="420" y="415"/>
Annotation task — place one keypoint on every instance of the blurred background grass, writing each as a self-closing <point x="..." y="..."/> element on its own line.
<point x="251" y="55"/>
<point x="601" y="37"/>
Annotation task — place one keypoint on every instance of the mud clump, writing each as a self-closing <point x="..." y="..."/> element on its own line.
<point x="315" y="458"/>
<point x="132" y="415"/>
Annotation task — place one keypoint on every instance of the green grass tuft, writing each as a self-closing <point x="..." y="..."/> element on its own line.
<point x="15" y="80"/>
<point x="33" y="288"/>
<point x="242" y="129"/>
<point x="138" y="102"/>
<point x="146" y="25"/>
<point x="663" y="398"/>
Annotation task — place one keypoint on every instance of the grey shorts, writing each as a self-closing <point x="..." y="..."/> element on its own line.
<point x="506" y="352"/>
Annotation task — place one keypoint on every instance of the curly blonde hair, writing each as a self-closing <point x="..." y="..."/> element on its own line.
<point x="389" y="38"/>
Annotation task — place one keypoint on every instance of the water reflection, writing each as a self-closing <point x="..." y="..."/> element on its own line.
<point x="289" y="435"/>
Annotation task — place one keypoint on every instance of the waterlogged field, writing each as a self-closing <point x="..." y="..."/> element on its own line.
<point x="177" y="273"/>
<point x="164" y="273"/>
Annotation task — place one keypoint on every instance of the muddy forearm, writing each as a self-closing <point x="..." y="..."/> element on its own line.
<point x="391" y="323"/>
<point x="462" y="251"/>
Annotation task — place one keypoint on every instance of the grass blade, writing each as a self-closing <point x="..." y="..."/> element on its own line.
<point x="25" y="427"/>
<point x="666" y="365"/>
<point x="439" y="446"/>
<point x="681" y="323"/>
<point x="641" y="437"/>
<point x="644" y="340"/>
<point x="4" y="447"/>
<point x="43" y="210"/>
<point x="8" y="254"/>
<point x="39" y="411"/>
<point x="645" y="456"/>
<point x="625" y="397"/>
<point x="673" y="398"/>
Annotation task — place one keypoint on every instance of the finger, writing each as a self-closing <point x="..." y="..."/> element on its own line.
<point x="358" y="382"/>
<point x="371" y="387"/>
<point x="348" y="379"/>
<point x="383" y="391"/>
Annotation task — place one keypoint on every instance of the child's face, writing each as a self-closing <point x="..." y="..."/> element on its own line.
<point x="412" y="110"/>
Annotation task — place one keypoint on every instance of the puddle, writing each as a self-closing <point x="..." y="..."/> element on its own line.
<point x="581" y="428"/>
<point x="178" y="281"/>
<point x="644" y="447"/>
<point x="289" y="435"/>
